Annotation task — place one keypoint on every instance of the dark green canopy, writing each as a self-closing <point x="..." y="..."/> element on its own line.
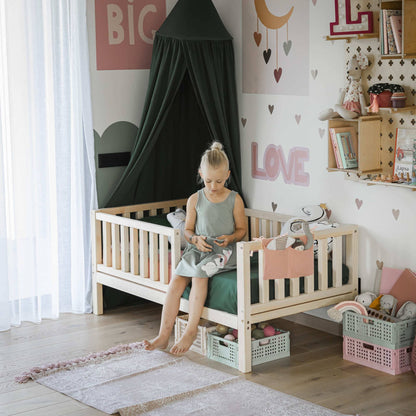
<point x="191" y="100"/>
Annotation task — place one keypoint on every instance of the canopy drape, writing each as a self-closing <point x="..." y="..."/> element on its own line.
<point x="191" y="100"/>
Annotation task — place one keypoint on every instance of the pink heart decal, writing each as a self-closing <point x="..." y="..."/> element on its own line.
<point x="314" y="2"/>
<point x="271" y="108"/>
<point x="396" y="213"/>
<point x="297" y="118"/>
<point x="321" y="132"/>
<point x="358" y="202"/>
<point x="257" y="38"/>
<point x="328" y="213"/>
<point x="243" y="121"/>
<point x="277" y="74"/>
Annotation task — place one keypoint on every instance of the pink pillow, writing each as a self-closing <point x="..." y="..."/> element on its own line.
<point x="405" y="288"/>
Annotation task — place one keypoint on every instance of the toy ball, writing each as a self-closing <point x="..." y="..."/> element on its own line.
<point x="230" y="337"/>
<point x="235" y="333"/>
<point x="258" y="333"/>
<point x="264" y="341"/>
<point x="221" y="329"/>
<point x="269" y="331"/>
<point x="262" y="325"/>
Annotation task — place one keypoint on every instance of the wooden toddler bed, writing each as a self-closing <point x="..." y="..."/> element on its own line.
<point x="136" y="256"/>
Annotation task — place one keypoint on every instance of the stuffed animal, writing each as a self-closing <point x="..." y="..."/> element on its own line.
<point x="351" y="102"/>
<point x="365" y="298"/>
<point x="385" y="303"/>
<point x="407" y="311"/>
<point x="177" y="220"/>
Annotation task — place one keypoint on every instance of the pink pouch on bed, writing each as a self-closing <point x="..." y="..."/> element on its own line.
<point x="287" y="263"/>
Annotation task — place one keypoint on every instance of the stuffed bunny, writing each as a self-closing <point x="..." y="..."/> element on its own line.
<point x="351" y="102"/>
<point x="407" y="311"/>
<point x="177" y="220"/>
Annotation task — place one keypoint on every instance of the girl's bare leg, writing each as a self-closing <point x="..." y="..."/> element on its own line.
<point x="169" y="312"/>
<point x="196" y="304"/>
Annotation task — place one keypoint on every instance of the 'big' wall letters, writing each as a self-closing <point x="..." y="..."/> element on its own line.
<point x="274" y="163"/>
<point x="125" y="30"/>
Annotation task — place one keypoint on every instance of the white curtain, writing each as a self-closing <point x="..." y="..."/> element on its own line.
<point x="47" y="170"/>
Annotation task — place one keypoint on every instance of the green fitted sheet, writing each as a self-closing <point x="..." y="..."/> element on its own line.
<point x="222" y="288"/>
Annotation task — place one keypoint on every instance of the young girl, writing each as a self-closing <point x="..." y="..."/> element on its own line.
<point x="215" y="222"/>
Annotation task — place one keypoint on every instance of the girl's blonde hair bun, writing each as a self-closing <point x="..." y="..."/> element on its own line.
<point x="214" y="156"/>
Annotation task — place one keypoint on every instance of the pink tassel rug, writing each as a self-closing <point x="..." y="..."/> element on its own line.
<point x="132" y="381"/>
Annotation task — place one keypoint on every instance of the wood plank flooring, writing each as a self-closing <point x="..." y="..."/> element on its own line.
<point x="315" y="370"/>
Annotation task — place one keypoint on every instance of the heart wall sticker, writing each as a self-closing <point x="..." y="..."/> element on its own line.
<point x="243" y="121"/>
<point x="321" y="132"/>
<point x="271" y="108"/>
<point x="396" y="213"/>
<point x="274" y="206"/>
<point x="358" y="202"/>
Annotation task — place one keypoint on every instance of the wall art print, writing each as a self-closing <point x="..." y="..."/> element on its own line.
<point x="276" y="47"/>
<point x="124" y="32"/>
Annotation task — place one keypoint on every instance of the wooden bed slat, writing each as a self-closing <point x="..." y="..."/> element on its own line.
<point x="322" y="264"/>
<point x="144" y="253"/>
<point x="164" y="259"/>
<point x="134" y="251"/>
<point x="107" y="244"/>
<point x="153" y="257"/>
<point x="337" y="262"/>
<point x="115" y="244"/>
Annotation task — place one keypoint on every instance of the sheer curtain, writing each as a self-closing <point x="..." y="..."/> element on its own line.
<point x="47" y="170"/>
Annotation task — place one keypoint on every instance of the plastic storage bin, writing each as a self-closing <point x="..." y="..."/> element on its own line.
<point x="392" y="361"/>
<point x="392" y="335"/>
<point x="200" y="343"/>
<point x="226" y="352"/>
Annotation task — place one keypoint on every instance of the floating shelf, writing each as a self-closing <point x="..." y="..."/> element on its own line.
<point x="349" y="37"/>
<point x="409" y="108"/>
<point x="370" y="182"/>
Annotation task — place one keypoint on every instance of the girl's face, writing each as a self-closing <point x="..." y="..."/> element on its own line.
<point x="214" y="178"/>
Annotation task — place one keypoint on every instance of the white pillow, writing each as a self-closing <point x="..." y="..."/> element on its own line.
<point x="177" y="220"/>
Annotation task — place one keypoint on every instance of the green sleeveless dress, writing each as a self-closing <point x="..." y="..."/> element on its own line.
<point x="212" y="220"/>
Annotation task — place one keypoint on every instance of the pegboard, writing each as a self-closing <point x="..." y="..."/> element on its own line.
<point x="393" y="71"/>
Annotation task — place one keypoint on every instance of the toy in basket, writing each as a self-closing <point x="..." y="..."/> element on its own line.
<point x="200" y="343"/>
<point x="268" y="344"/>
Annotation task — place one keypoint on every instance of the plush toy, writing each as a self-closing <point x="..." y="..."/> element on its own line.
<point x="385" y="303"/>
<point x="407" y="311"/>
<point x="351" y="102"/>
<point x="365" y="298"/>
<point x="177" y="220"/>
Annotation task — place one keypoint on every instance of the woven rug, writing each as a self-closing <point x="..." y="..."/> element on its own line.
<point x="132" y="381"/>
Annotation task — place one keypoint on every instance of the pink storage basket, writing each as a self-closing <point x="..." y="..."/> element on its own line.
<point x="374" y="356"/>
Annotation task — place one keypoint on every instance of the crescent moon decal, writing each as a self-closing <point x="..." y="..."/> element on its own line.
<point x="268" y="19"/>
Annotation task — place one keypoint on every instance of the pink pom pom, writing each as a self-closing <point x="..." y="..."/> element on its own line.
<point x="268" y="331"/>
<point x="235" y="333"/>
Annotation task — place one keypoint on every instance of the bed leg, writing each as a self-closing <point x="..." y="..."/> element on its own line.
<point x="97" y="297"/>
<point x="244" y="347"/>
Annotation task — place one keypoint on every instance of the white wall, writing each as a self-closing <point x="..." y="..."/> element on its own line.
<point x="119" y="95"/>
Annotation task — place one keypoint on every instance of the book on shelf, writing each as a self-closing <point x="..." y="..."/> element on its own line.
<point x="396" y="26"/>
<point x="344" y="141"/>
<point x="347" y="150"/>
<point x="405" y="153"/>
<point x="388" y="44"/>
<point x="334" y="142"/>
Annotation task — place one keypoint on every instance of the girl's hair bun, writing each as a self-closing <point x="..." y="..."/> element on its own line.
<point x="216" y="146"/>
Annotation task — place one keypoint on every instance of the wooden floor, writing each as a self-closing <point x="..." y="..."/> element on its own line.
<point x="315" y="370"/>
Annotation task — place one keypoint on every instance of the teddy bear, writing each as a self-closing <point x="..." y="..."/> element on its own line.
<point x="177" y="220"/>
<point x="351" y="103"/>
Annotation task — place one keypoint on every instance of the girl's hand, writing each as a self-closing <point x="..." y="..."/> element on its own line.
<point x="224" y="240"/>
<point x="201" y="244"/>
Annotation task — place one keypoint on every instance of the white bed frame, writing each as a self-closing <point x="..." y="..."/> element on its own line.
<point x="134" y="256"/>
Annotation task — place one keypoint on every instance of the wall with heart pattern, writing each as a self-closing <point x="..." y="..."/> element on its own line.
<point x="385" y="215"/>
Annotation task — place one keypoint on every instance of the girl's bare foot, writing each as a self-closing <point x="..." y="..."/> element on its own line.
<point x="183" y="344"/>
<point x="158" y="342"/>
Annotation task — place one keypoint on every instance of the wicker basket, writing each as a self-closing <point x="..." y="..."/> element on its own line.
<point x="226" y="352"/>
<point x="200" y="343"/>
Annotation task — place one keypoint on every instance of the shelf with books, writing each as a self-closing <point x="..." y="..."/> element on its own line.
<point x="397" y="29"/>
<point x="364" y="134"/>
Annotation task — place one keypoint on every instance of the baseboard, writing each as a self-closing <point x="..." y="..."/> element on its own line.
<point x="321" y="324"/>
